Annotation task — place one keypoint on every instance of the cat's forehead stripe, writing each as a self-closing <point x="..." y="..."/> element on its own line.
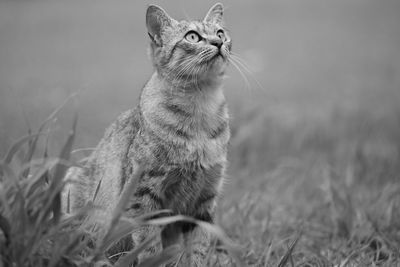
<point x="201" y="27"/>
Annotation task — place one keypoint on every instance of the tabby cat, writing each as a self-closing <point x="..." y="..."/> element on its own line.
<point x="178" y="135"/>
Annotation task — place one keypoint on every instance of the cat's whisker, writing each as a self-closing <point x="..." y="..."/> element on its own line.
<point x="245" y="79"/>
<point x="199" y="67"/>
<point x="182" y="70"/>
<point x="244" y="70"/>
<point x="237" y="56"/>
<point x="206" y="55"/>
<point x="183" y="67"/>
<point x="238" y="67"/>
<point x="193" y="69"/>
<point x="190" y="75"/>
<point x="186" y="70"/>
<point x="240" y="61"/>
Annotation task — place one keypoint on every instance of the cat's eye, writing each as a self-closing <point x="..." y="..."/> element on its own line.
<point x="221" y="35"/>
<point x="193" y="37"/>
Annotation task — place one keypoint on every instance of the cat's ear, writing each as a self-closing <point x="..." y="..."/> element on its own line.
<point x="214" y="15"/>
<point x="156" y="21"/>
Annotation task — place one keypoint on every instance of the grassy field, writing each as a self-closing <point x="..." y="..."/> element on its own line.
<point x="315" y="151"/>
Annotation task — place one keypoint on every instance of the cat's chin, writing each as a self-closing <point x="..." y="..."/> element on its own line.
<point x="215" y="75"/>
<point x="218" y="57"/>
<point x="218" y="65"/>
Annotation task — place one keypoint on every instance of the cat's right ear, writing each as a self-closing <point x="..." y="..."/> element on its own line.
<point x="156" y="21"/>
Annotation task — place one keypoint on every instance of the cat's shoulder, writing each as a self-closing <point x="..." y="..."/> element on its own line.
<point x="126" y="121"/>
<point x="120" y="133"/>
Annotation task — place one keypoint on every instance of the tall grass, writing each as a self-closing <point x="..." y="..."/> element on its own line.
<point x="35" y="232"/>
<point x="334" y="202"/>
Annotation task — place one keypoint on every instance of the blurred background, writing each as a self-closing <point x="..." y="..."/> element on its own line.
<point x="322" y="100"/>
<point x="310" y="58"/>
<point x="320" y="71"/>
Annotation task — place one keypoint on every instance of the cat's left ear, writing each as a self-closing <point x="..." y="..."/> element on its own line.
<point x="156" y="21"/>
<point x="214" y="15"/>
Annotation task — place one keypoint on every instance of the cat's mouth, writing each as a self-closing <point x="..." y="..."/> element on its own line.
<point x="217" y="56"/>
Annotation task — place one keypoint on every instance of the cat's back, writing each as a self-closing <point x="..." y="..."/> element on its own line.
<point x="105" y="167"/>
<point x="117" y="138"/>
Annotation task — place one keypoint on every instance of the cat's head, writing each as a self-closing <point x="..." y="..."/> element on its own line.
<point x="189" y="53"/>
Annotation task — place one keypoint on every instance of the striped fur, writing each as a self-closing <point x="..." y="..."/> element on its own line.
<point x="179" y="133"/>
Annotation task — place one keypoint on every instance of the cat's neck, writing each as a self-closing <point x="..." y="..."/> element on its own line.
<point x="159" y="99"/>
<point x="159" y="89"/>
<point x="188" y="85"/>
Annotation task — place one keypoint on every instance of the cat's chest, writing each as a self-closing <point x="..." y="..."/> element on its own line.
<point x="209" y="135"/>
<point x="191" y="127"/>
<point x="204" y="150"/>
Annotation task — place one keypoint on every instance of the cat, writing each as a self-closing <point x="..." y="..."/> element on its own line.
<point x="178" y="135"/>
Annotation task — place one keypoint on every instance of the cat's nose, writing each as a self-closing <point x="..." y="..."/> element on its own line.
<point x="216" y="42"/>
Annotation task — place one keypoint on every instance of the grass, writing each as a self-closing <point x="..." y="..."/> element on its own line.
<point x="35" y="232"/>
<point x="326" y="197"/>
<point x="319" y="194"/>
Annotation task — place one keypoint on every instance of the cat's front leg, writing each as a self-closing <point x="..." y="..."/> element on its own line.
<point x="197" y="244"/>
<point x="143" y="203"/>
<point x="197" y="240"/>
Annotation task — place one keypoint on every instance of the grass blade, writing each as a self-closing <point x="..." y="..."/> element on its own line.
<point x="166" y="256"/>
<point x="132" y="255"/>
<point x="65" y="155"/>
<point x="17" y="146"/>
<point x="122" y="229"/>
<point x="213" y="229"/>
<point x="119" y="209"/>
<point x="60" y="171"/>
<point x="33" y="142"/>
<point x="288" y="255"/>
<point x="6" y="229"/>
<point x="40" y="177"/>
<point x="55" y="112"/>
<point x="97" y="190"/>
